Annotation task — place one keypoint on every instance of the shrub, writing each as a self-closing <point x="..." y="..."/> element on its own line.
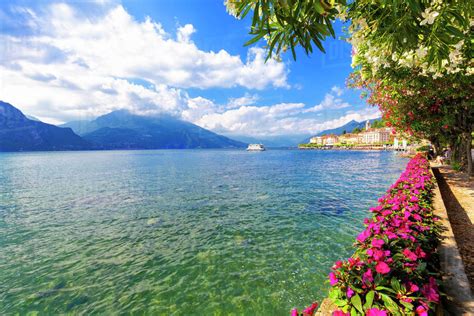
<point x="393" y="269"/>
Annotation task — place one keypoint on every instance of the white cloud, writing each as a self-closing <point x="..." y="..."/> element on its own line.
<point x="278" y="119"/>
<point x="337" y="90"/>
<point x="330" y="102"/>
<point x="117" y="45"/>
<point x="76" y="65"/>
<point x="184" y="33"/>
<point x="247" y="99"/>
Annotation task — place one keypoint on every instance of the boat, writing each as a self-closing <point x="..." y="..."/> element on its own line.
<point x="255" y="147"/>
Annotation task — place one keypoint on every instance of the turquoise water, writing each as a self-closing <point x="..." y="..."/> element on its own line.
<point x="195" y="232"/>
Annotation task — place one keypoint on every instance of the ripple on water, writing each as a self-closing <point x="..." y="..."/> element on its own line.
<point x="174" y="232"/>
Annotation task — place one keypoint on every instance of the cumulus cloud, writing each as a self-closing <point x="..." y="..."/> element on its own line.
<point x="73" y="65"/>
<point x="278" y="119"/>
<point x="247" y="99"/>
<point x="330" y="102"/>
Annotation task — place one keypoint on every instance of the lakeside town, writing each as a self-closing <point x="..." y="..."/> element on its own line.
<point x="371" y="137"/>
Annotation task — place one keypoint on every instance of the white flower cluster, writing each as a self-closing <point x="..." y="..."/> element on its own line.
<point x="373" y="57"/>
<point x="231" y="7"/>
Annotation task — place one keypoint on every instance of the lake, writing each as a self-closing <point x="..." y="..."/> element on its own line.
<point x="175" y="232"/>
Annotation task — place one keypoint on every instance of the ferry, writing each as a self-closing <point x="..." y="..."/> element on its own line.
<point x="255" y="147"/>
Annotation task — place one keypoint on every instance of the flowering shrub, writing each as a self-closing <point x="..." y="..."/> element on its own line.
<point x="393" y="271"/>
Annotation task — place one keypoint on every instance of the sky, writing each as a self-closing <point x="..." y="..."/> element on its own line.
<point x="76" y="60"/>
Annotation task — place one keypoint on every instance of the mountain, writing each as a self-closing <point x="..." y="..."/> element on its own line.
<point x="124" y="130"/>
<point x="19" y="133"/>
<point x="348" y="128"/>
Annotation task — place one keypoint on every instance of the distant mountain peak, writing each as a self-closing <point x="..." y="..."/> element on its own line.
<point x="122" y="129"/>
<point x="18" y="133"/>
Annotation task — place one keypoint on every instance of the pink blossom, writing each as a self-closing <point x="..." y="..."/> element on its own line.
<point x="294" y="312"/>
<point x="375" y="312"/>
<point x="310" y="310"/>
<point x="430" y="291"/>
<point x="332" y="278"/>
<point x="339" y="313"/>
<point x="377" y="243"/>
<point x="363" y="236"/>
<point x="350" y="292"/>
<point x="421" y="311"/>
<point x="410" y="255"/>
<point x="368" y="276"/>
<point x="382" y="268"/>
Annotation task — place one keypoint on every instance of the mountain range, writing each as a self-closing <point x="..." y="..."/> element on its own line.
<point x="116" y="130"/>
<point x="124" y="130"/>
<point x="19" y="133"/>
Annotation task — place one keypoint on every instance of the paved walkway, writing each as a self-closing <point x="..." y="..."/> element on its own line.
<point x="458" y="195"/>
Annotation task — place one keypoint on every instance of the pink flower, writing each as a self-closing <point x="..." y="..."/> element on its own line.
<point x="368" y="276"/>
<point x="413" y="287"/>
<point x="430" y="291"/>
<point x="382" y="268"/>
<point x="413" y="199"/>
<point x="409" y="254"/>
<point x="375" y="312"/>
<point x="332" y="279"/>
<point x="338" y="264"/>
<point x="363" y="236"/>
<point x="310" y="310"/>
<point x="420" y="253"/>
<point x="340" y="313"/>
<point x="350" y="292"/>
<point x="294" y="312"/>
<point x="377" y="243"/>
<point x="421" y="311"/>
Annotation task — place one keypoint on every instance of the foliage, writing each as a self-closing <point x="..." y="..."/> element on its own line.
<point x="392" y="270"/>
<point x="286" y="24"/>
<point x="432" y="35"/>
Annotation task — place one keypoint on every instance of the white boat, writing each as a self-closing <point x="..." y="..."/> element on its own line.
<point x="255" y="147"/>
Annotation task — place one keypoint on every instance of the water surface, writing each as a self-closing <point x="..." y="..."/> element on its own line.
<point x="198" y="232"/>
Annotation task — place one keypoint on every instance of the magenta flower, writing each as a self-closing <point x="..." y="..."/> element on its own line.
<point x="421" y="311"/>
<point x="368" y="276"/>
<point x="332" y="278"/>
<point x="377" y="243"/>
<point x="382" y="268"/>
<point x="350" y="292"/>
<point x="339" y="313"/>
<point x="430" y="291"/>
<point x="310" y="310"/>
<point x="409" y="254"/>
<point x="375" y="312"/>
<point x="363" y="236"/>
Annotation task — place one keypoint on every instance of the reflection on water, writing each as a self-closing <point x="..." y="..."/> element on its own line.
<point x="207" y="232"/>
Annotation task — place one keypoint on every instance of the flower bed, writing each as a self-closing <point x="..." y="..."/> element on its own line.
<point x="393" y="270"/>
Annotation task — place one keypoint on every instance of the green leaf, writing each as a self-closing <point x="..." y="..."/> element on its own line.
<point x="369" y="298"/>
<point x="355" y="300"/>
<point x="395" y="284"/>
<point x="255" y="39"/>
<point x="390" y="304"/>
<point x="353" y="312"/>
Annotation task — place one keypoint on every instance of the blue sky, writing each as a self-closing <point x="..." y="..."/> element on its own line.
<point x="79" y="59"/>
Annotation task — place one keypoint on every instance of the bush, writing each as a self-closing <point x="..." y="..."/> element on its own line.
<point x="392" y="270"/>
